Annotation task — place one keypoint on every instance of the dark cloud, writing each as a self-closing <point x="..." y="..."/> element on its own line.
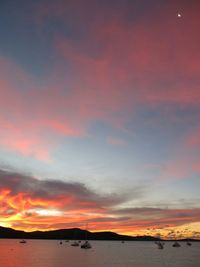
<point x="143" y="210"/>
<point x="157" y="217"/>
<point x="55" y="190"/>
<point x="169" y="213"/>
<point x="110" y="219"/>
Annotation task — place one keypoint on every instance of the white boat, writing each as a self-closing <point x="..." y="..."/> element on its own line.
<point x="176" y="245"/>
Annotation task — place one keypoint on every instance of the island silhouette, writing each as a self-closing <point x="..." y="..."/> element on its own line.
<point x="70" y="234"/>
<point x="80" y="234"/>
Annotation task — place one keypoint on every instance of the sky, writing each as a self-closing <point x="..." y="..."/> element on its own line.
<point x="99" y="116"/>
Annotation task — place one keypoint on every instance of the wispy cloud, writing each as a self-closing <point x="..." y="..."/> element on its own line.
<point x="32" y="122"/>
<point x="119" y="67"/>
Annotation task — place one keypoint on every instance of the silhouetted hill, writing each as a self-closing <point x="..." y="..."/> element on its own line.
<point x="11" y="233"/>
<point x="74" y="233"/>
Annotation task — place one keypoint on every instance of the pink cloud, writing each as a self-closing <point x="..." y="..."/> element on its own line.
<point x="32" y="118"/>
<point x="133" y="65"/>
<point x="130" y="65"/>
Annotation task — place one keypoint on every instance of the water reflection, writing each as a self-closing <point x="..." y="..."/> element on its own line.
<point x="49" y="253"/>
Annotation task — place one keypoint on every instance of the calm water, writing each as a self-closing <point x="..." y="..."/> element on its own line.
<point x="49" y="253"/>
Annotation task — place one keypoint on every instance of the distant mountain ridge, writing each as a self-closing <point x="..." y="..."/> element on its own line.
<point x="70" y="234"/>
<point x="75" y="233"/>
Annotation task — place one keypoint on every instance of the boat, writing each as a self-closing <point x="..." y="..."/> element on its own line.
<point x="86" y="245"/>
<point x="75" y="244"/>
<point x="176" y="244"/>
<point x="188" y="243"/>
<point x="159" y="244"/>
<point x="23" y="241"/>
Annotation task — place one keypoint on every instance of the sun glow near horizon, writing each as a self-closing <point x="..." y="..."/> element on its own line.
<point x="181" y="232"/>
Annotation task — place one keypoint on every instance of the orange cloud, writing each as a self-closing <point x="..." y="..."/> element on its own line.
<point x="31" y="204"/>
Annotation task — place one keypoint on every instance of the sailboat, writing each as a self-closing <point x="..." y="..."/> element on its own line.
<point x="176" y="244"/>
<point x="86" y="244"/>
<point x="75" y="243"/>
<point x="159" y="244"/>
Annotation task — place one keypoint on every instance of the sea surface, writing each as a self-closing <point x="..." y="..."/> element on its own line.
<point x="50" y="253"/>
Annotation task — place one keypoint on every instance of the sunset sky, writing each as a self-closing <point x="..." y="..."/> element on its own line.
<point x="100" y="115"/>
